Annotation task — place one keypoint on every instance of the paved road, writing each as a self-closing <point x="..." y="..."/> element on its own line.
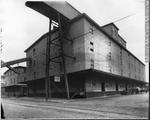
<point x="130" y="106"/>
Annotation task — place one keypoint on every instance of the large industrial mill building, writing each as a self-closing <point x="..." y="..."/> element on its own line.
<point x="84" y="58"/>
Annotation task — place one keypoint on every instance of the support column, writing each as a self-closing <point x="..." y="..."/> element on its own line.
<point x="47" y="79"/>
<point x="63" y="57"/>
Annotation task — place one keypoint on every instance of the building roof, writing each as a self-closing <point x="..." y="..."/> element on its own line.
<point x="96" y="25"/>
<point x="122" y="38"/>
<point x="15" y="68"/>
<point x="112" y="25"/>
<point x="38" y="40"/>
<point x="115" y="27"/>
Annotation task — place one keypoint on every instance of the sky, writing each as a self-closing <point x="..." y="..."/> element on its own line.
<point x="21" y="26"/>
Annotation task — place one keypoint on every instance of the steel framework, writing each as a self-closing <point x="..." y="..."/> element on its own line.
<point x="57" y="12"/>
<point x="62" y="36"/>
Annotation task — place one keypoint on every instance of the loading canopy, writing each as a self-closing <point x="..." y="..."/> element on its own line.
<point x="49" y="9"/>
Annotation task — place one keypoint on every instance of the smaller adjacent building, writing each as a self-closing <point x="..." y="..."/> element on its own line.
<point x="12" y="82"/>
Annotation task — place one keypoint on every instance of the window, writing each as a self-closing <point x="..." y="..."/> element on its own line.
<point x="30" y="63"/>
<point x="34" y="75"/>
<point x="34" y="62"/>
<point x="129" y="74"/>
<point x="24" y="78"/>
<point x="91" y="43"/>
<point x="92" y="63"/>
<point x="91" y="49"/>
<point x="110" y="69"/>
<point x="33" y="51"/>
<point x="120" y="51"/>
<point x="109" y="43"/>
<point x="135" y="75"/>
<point x="91" y="30"/>
<point x="109" y="55"/>
<point x="14" y="81"/>
<point x="11" y="81"/>
<point x="93" y="82"/>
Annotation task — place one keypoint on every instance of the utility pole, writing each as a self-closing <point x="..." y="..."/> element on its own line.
<point x="47" y="67"/>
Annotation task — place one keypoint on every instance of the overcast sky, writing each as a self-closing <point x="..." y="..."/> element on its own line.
<point x="22" y="26"/>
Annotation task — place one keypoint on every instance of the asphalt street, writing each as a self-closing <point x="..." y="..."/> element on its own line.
<point x="122" y="106"/>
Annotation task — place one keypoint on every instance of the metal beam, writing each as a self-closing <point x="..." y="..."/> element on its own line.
<point x="47" y="81"/>
<point x="55" y="44"/>
<point x="69" y="56"/>
<point x="56" y="38"/>
<point x="55" y="61"/>
<point x="63" y="57"/>
<point x="68" y="39"/>
<point x="55" y="57"/>
<point x="5" y="64"/>
<point x="12" y="69"/>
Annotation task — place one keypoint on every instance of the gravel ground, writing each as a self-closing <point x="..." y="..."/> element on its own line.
<point x="127" y="106"/>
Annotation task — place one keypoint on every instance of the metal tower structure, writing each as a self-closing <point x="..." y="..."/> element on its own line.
<point x="58" y="12"/>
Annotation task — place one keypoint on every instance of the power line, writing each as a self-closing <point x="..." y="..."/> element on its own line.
<point x="124" y="17"/>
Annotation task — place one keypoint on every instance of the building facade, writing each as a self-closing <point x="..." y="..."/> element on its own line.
<point x="100" y="62"/>
<point x="12" y="82"/>
<point x="85" y="59"/>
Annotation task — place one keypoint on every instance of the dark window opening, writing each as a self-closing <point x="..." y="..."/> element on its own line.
<point x="91" y="49"/>
<point x="109" y="43"/>
<point x="109" y="55"/>
<point x="24" y="78"/>
<point x="34" y="75"/>
<point x="93" y="82"/>
<point x="34" y="62"/>
<point x="30" y="63"/>
<point x="103" y="86"/>
<point x="91" y="43"/>
<point x="110" y="70"/>
<point x="91" y="30"/>
<point x="116" y="86"/>
<point x="33" y="51"/>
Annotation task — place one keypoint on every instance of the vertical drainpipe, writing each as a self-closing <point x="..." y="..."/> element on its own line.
<point x="47" y="81"/>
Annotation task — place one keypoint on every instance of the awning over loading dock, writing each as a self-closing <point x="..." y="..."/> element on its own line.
<point x="107" y="76"/>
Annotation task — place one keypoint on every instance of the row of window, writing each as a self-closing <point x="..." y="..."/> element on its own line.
<point x="10" y="73"/>
<point x="91" y="46"/>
